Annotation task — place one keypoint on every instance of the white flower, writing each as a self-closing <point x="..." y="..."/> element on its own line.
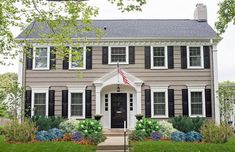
<point x="143" y="129"/>
<point x="82" y="126"/>
<point x="92" y="123"/>
<point x="140" y="125"/>
<point x="85" y="131"/>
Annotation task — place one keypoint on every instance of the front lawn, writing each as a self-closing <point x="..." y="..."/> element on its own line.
<point x="169" y="146"/>
<point x="45" y="147"/>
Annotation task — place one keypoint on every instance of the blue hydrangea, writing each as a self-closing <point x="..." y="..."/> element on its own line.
<point x="193" y="136"/>
<point x="51" y="134"/>
<point x="43" y="136"/>
<point x="77" y="136"/>
<point x="178" y="136"/>
<point x="155" y="136"/>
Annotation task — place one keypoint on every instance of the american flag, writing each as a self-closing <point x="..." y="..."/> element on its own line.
<point x="125" y="81"/>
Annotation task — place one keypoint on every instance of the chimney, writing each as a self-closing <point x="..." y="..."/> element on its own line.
<point x="200" y="13"/>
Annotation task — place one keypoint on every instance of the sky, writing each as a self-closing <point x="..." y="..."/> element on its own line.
<point x="169" y="9"/>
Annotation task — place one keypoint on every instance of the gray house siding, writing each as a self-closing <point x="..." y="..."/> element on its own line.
<point x="176" y="78"/>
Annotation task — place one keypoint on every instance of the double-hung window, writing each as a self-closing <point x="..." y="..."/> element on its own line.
<point x="159" y="102"/>
<point x="195" y="57"/>
<point x="76" y="104"/>
<point x="159" y="57"/>
<point x="41" y="58"/>
<point x="39" y="102"/>
<point x="77" y="58"/>
<point x="196" y="102"/>
<point x="118" y="55"/>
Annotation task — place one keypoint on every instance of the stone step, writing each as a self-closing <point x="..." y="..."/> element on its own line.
<point x="113" y="143"/>
<point x="111" y="150"/>
<point x="111" y="147"/>
<point x="115" y="132"/>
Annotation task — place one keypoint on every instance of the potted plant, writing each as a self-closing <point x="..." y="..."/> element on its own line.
<point x="139" y="116"/>
<point x="97" y="117"/>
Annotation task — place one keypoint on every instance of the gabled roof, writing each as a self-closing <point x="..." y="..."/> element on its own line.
<point x="139" y="28"/>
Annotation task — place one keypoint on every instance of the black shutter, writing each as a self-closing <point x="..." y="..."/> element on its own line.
<point x="171" y="103"/>
<point x="105" y="55"/>
<point x="51" y="102"/>
<point x="66" y="60"/>
<point x="131" y="55"/>
<point x="27" y="103"/>
<point x="185" y="101"/>
<point x="89" y="58"/>
<point x="65" y="103"/>
<point x="29" y="59"/>
<point x="147" y="103"/>
<point x="183" y="57"/>
<point x="170" y="51"/>
<point x="88" y="103"/>
<point x="147" y="57"/>
<point x="206" y="52"/>
<point x="52" y="58"/>
<point x="208" y="102"/>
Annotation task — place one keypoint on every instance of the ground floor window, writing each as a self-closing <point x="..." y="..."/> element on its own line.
<point x="40" y="102"/>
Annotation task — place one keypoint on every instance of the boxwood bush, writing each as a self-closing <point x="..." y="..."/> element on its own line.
<point x="148" y="126"/>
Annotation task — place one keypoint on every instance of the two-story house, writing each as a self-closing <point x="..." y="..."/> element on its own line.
<point x="170" y="65"/>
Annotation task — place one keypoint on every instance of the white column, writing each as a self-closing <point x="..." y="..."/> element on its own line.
<point x="138" y="99"/>
<point x="97" y="98"/>
<point x="215" y="69"/>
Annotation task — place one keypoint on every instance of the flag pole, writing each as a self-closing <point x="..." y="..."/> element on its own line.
<point x="118" y="88"/>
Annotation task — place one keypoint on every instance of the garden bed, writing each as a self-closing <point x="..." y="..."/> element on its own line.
<point x="166" y="146"/>
<point x="45" y="147"/>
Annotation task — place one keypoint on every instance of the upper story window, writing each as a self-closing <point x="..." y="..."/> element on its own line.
<point x="197" y="102"/>
<point x="118" y="55"/>
<point x="40" y="102"/>
<point x="195" y="57"/>
<point x="159" y="103"/>
<point x="77" y="58"/>
<point x="41" y="58"/>
<point x="159" y="58"/>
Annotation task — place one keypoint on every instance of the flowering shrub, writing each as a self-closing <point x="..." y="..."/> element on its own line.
<point x="137" y="135"/>
<point x="166" y="129"/>
<point x="51" y="134"/>
<point x="148" y="126"/>
<point x="77" y="136"/>
<point x="155" y="136"/>
<point x="193" y="136"/>
<point x="69" y="126"/>
<point x="178" y="136"/>
<point x="67" y="137"/>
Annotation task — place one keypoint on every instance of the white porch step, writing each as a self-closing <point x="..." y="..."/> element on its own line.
<point x="112" y="144"/>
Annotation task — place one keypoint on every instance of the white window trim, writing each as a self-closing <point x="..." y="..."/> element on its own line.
<point x="39" y="90"/>
<point x="127" y="55"/>
<point x="159" y="89"/>
<point x="197" y="89"/>
<point x="202" y="58"/>
<point x="76" y="90"/>
<point x="84" y="59"/>
<point x="48" y="58"/>
<point x="166" y="58"/>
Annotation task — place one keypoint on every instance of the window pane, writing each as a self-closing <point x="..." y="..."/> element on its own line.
<point x="77" y="57"/>
<point x="76" y="110"/>
<point x="118" y="54"/>
<point x="40" y="98"/>
<point x="195" y="56"/>
<point x="40" y="110"/>
<point x="76" y="98"/>
<point x="196" y="103"/>
<point x="158" y="56"/>
<point x="41" y="58"/>
<point x="159" y="109"/>
<point x="159" y="103"/>
<point x="159" y="97"/>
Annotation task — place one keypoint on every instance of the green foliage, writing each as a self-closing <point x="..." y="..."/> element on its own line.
<point x="226" y="15"/>
<point x="19" y="132"/>
<point x="187" y="124"/>
<point x="46" y="123"/>
<point x="213" y="133"/>
<point x="166" y="129"/>
<point x="92" y="130"/>
<point x="148" y="126"/>
<point x="137" y="135"/>
<point x="69" y="126"/>
<point x="1" y="130"/>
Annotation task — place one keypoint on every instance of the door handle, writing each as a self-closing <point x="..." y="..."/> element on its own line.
<point x="118" y="111"/>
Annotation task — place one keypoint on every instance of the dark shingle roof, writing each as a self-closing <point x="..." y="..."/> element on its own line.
<point x="141" y="28"/>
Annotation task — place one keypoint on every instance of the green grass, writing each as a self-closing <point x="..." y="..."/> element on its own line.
<point x="45" y="147"/>
<point x="167" y="146"/>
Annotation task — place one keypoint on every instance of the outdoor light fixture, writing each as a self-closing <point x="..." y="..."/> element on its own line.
<point x="118" y="88"/>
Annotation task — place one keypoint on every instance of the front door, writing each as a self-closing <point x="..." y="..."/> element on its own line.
<point x="118" y="109"/>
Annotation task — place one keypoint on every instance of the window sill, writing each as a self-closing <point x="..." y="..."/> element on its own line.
<point x="40" y="69"/>
<point x="195" y="68"/>
<point x="194" y="116"/>
<point x="76" y="117"/>
<point x="159" y="68"/>
<point x="115" y="63"/>
<point x="160" y="116"/>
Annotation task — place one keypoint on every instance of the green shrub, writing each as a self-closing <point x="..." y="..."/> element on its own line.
<point x="92" y="130"/>
<point x="19" y="132"/>
<point x="69" y="126"/>
<point x="166" y="129"/>
<point x="1" y="130"/>
<point x="148" y="126"/>
<point x="213" y="133"/>
<point x="137" y="135"/>
<point x="46" y="123"/>
<point x="187" y="124"/>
